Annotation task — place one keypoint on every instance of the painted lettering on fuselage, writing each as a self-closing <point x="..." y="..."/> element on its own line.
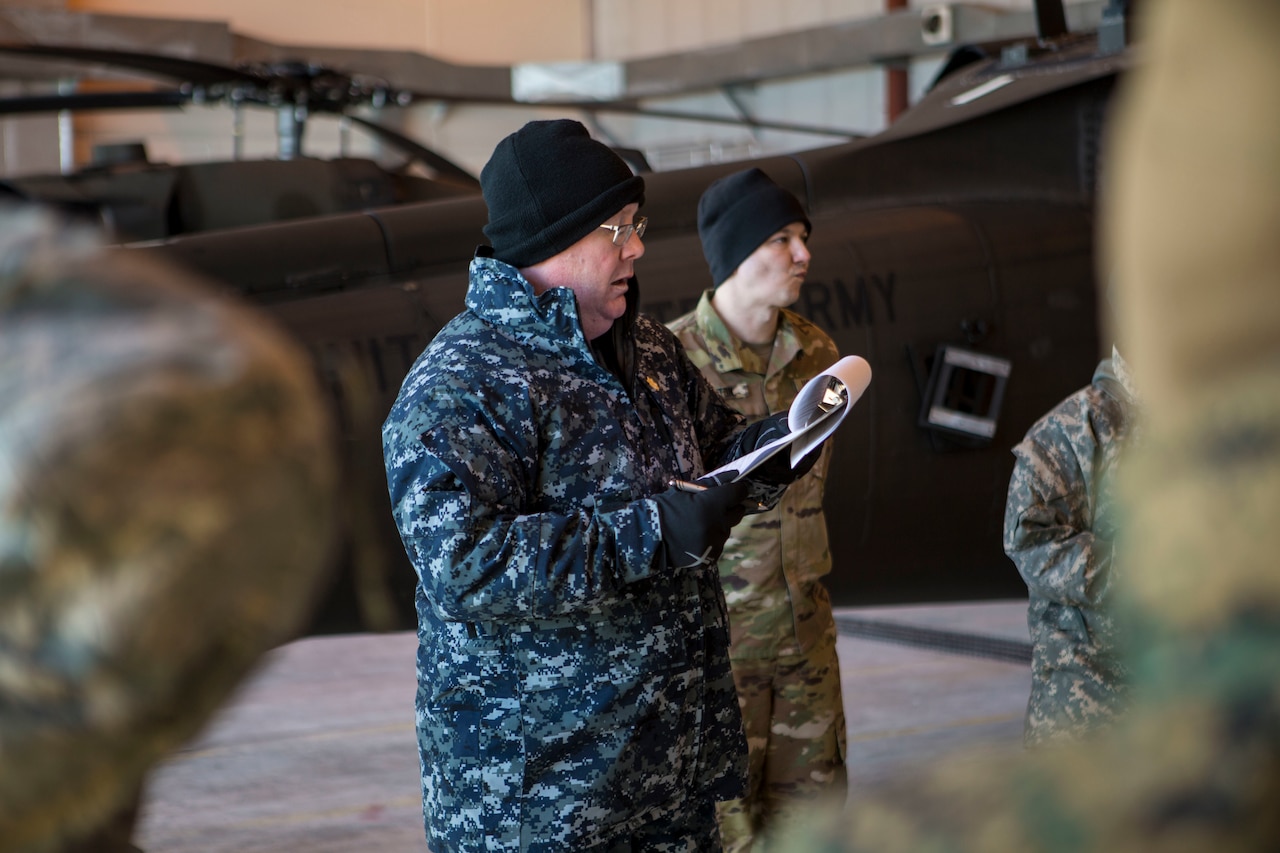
<point x="868" y="300"/>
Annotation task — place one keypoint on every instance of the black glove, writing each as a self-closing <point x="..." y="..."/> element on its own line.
<point x="695" y="525"/>
<point x="776" y="470"/>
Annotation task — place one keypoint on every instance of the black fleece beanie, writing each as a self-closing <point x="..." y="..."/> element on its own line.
<point x="739" y="212"/>
<point x="547" y="186"/>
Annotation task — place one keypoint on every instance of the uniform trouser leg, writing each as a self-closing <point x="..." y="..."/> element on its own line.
<point x="793" y="714"/>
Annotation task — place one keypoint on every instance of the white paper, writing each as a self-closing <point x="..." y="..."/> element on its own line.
<point x="809" y="422"/>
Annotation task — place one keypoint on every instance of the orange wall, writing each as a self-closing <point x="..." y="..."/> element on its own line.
<point x="486" y="32"/>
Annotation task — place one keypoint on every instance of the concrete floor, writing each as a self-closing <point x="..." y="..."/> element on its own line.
<point x="317" y="751"/>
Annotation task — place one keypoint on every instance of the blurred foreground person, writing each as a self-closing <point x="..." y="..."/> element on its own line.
<point x="1059" y="530"/>
<point x="1190" y="220"/>
<point x="758" y="355"/>
<point x="166" y="495"/>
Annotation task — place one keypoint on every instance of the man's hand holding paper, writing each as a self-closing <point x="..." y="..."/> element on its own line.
<point x="817" y="410"/>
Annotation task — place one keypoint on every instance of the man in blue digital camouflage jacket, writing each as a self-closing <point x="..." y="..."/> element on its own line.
<point x="574" y="686"/>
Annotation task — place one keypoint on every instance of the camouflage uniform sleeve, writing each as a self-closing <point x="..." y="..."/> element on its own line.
<point x="458" y="494"/>
<point x="1048" y="525"/>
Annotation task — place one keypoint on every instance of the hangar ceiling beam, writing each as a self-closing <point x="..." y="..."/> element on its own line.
<point x="892" y="37"/>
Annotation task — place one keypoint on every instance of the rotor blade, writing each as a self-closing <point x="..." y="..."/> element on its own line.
<point x="206" y="73"/>
<point x="746" y="121"/>
<point x="636" y="109"/>
<point x="442" y="166"/>
<point x="194" y="71"/>
<point x="93" y="101"/>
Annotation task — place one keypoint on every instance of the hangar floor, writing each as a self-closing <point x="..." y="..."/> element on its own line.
<point x="317" y="751"/>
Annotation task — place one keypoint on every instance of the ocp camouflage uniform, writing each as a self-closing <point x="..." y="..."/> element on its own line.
<point x="167" y="484"/>
<point x="1059" y="530"/>
<point x="573" y="693"/>
<point x="783" y="637"/>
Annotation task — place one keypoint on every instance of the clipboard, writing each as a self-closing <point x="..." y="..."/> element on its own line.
<point x="816" y="412"/>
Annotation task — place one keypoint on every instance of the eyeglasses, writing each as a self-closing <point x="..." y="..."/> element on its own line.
<point x="622" y="233"/>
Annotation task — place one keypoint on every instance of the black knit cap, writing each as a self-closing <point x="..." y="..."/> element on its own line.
<point x="739" y="212"/>
<point x="547" y="186"/>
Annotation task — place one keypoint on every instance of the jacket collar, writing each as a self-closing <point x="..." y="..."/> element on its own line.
<point x="499" y="294"/>
<point x="1116" y="371"/>
<point x="728" y="355"/>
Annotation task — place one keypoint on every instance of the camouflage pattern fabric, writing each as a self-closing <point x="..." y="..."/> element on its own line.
<point x="793" y="715"/>
<point x="166" y="497"/>
<point x="780" y="623"/>
<point x="572" y="691"/>
<point x="1059" y="530"/>
<point x="1190" y="220"/>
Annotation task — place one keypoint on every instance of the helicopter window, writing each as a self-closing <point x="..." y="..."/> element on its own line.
<point x="965" y="393"/>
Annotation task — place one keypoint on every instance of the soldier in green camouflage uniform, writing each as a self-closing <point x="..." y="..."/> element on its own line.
<point x="759" y="355"/>
<point x="1190" y="219"/>
<point x="1059" y="530"/>
<point x="166" y="493"/>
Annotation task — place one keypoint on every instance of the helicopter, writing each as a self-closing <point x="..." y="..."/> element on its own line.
<point x="954" y="251"/>
<point x="137" y="199"/>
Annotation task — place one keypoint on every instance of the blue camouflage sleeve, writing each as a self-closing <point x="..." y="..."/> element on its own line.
<point x="457" y="475"/>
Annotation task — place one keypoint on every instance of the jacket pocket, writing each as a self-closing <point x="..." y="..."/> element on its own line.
<point x="468" y="736"/>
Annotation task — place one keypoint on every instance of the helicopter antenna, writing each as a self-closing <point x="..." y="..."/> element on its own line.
<point x="291" y="124"/>
<point x="237" y="130"/>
